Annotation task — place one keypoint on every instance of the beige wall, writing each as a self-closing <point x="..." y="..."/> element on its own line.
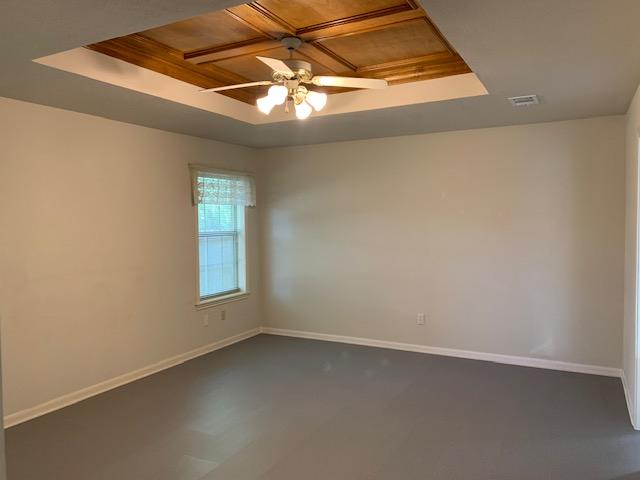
<point x="510" y="239"/>
<point x="98" y="252"/>
<point x="3" y="467"/>
<point x="631" y="262"/>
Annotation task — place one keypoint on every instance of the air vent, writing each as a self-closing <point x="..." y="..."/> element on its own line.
<point x="524" y="100"/>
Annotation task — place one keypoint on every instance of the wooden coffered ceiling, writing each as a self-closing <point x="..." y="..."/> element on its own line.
<point x="390" y="39"/>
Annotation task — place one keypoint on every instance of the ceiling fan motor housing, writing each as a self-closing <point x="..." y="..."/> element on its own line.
<point x="288" y="79"/>
<point x="291" y="43"/>
<point x="301" y="69"/>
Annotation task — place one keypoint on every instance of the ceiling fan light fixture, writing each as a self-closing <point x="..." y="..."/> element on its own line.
<point x="278" y="94"/>
<point x="289" y="82"/>
<point x="303" y="110"/>
<point x="265" y="104"/>
<point x="317" y="100"/>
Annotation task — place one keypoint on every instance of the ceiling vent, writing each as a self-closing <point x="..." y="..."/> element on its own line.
<point x="524" y="100"/>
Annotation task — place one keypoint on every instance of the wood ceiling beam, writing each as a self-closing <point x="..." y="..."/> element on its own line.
<point x="261" y="20"/>
<point x="328" y="53"/>
<point x="307" y="51"/>
<point x="433" y="59"/>
<point x="224" y="52"/>
<point x="398" y="76"/>
<point x="272" y="27"/>
<point x="423" y="68"/>
<point x="331" y="62"/>
<point x="354" y="25"/>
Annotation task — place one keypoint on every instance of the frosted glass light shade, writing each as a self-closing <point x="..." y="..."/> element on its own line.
<point x="303" y="110"/>
<point x="265" y="104"/>
<point x="317" y="100"/>
<point x="278" y="94"/>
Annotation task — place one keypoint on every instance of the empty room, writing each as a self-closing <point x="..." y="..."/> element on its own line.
<point x="319" y="239"/>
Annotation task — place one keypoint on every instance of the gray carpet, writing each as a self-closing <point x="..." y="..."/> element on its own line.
<point x="276" y="408"/>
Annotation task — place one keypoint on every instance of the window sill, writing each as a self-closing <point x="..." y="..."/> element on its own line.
<point x="232" y="297"/>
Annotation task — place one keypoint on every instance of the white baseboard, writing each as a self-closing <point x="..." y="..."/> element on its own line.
<point x="450" y="352"/>
<point x="79" y="395"/>
<point x="627" y="397"/>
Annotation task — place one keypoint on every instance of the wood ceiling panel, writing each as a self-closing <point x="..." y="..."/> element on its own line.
<point x="338" y="29"/>
<point x="147" y="53"/>
<point x="390" y="39"/>
<point x="209" y="30"/>
<point x="405" y="40"/>
<point x="248" y="65"/>
<point x="214" y="54"/>
<point x="304" y="14"/>
<point x="257" y="19"/>
<point x="253" y="69"/>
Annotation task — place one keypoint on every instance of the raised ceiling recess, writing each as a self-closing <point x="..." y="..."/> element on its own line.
<point x="390" y="39"/>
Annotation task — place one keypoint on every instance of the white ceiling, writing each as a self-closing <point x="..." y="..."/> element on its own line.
<point x="582" y="57"/>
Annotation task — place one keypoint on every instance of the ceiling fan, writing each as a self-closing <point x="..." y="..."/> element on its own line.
<point x="290" y="78"/>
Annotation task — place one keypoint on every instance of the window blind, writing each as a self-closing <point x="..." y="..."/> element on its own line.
<point x="218" y="249"/>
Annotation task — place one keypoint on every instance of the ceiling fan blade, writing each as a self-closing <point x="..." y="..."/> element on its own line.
<point x="348" y="82"/>
<point x="276" y="65"/>
<point x="240" y="85"/>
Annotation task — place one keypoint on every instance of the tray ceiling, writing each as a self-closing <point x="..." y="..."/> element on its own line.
<point x="390" y="39"/>
<point x="577" y="64"/>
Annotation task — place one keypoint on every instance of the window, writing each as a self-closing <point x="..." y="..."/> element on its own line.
<point x="219" y="236"/>
<point x="220" y="199"/>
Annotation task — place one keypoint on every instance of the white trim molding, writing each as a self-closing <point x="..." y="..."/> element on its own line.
<point x="627" y="397"/>
<point x="84" y="393"/>
<point x="214" y="302"/>
<point x="451" y="352"/>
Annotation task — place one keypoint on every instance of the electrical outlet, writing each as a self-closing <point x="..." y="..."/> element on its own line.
<point x="421" y="319"/>
<point x="223" y="315"/>
<point x="205" y="320"/>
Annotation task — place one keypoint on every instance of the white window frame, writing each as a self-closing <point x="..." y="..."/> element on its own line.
<point x="243" y="257"/>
